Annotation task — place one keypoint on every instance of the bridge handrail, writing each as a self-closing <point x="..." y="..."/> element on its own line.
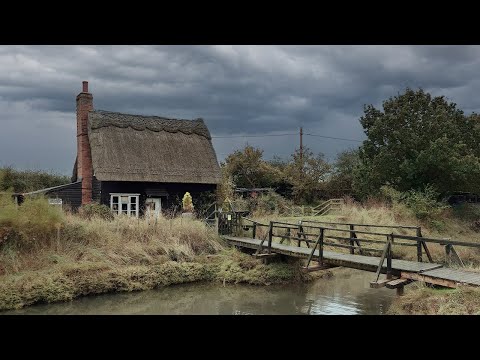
<point x="366" y="225"/>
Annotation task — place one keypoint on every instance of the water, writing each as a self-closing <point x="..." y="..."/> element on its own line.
<point x="346" y="293"/>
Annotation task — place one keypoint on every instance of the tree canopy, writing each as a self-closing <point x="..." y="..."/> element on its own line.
<point x="418" y="140"/>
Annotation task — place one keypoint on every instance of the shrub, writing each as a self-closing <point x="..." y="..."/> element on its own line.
<point x="35" y="221"/>
<point x="95" y="210"/>
<point x="187" y="202"/>
<point x="424" y="204"/>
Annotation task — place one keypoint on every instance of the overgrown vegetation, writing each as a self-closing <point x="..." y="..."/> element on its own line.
<point x="421" y="300"/>
<point x="29" y="180"/>
<point x="47" y="255"/>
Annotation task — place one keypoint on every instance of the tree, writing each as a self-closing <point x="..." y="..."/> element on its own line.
<point x="418" y="140"/>
<point x="341" y="181"/>
<point x="307" y="175"/>
<point x="248" y="169"/>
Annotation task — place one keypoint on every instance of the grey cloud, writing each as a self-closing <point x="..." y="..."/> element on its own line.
<point x="236" y="89"/>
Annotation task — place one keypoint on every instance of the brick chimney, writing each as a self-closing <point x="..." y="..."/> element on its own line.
<point x="84" y="155"/>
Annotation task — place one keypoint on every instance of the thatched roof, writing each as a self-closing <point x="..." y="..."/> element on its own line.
<point x="151" y="148"/>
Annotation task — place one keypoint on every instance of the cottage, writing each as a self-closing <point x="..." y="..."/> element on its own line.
<point x="134" y="162"/>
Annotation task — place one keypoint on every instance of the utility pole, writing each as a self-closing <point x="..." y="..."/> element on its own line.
<point x="301" y="149"/>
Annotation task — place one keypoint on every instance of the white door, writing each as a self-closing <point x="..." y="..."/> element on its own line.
<point x="153" y="207"/>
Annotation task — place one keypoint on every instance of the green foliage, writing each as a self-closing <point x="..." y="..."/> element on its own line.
<point x="341" y="181"/>
<point x="467" y="212"/>
<point x="247" y="169"/>
<point x="187" y="202"/>
<point x="29" y="180"/>
<point x="34" y="222"/>
<point x="270" y="202"/>
<point x="417" y="140"/>
<point x="422" y="204"/>
<point x="95" y="210"/>
<point x="308" y="175"/>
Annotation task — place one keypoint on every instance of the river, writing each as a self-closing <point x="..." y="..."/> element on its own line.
<point x="346" y="293"/>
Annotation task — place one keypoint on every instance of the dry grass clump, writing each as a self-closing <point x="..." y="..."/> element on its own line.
<point x="421" y="300"/>
<point x="37" y="235"/>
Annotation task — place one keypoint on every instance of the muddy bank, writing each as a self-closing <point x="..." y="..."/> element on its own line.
<point x="67" y="283"/>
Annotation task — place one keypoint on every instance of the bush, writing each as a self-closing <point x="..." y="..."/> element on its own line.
<point x="95" y="210"/>
<point x="187" y="202"/>
<point x="35" y="221"/>
<point x="424" y="204"/>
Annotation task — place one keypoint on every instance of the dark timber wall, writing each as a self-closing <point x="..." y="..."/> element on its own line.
<point x="170" y="193"/>
<point x="71" y="194"/>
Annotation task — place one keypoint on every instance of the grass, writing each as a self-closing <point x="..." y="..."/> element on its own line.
<point x="380" y="213"/>
<point x="47" y="255"/>
<point x="421" y="300"/>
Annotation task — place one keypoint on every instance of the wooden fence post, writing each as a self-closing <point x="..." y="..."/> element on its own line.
<point x="320" y="250"/>
<point x="352" y="233"/>
<point x="254" y="230"/>
<point x="424" y="244"/>
<point x="270" y="236"/>
<point x="389" y="257"/>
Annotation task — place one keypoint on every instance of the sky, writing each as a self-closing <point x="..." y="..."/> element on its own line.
<point x="242" y="92"/>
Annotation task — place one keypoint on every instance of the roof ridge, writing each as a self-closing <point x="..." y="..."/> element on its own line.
<point x="100" y="111"/>
<point x="102" y="118"/>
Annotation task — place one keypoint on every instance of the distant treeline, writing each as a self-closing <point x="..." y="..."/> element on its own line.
<point x="19" y="181"/>
<point x="416" y="143"/>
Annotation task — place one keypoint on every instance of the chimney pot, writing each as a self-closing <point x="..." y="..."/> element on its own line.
<point x="85" y="86"/>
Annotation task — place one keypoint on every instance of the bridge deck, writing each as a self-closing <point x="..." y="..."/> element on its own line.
<point x="412" y="269"/>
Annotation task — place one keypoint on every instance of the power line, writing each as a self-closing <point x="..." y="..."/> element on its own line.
<point x="268" y="135"/>
<point x="244" y="136"/>
<point x="335" y="138"/>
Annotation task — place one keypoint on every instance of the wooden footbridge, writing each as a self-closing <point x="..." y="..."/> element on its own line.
<point x="327" y="243"/>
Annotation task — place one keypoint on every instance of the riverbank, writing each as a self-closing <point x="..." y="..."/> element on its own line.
<point x="421" y="300"/>
<point x="69" y="282"/>
<point x="47" y="255"/>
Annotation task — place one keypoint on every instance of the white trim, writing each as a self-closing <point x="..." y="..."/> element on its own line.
<point x="129" y="203"/>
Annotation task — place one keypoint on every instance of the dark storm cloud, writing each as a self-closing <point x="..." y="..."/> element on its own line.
<point x="238" y="90"/>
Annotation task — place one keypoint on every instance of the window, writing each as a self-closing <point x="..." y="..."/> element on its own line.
<point x="126" y="204"/>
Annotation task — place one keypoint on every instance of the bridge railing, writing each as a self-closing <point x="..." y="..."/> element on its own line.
<point x="315" y="233"/>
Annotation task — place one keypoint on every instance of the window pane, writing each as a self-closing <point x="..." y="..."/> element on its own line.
<point x="124" y="199"/>
<point x="133" y="199"/>
<point x="124" y="207"/>
<point x="115" y="199"/>
<point x="115" y="207"/>
<point x="133" y="213"/>
<point x="124" y="212"/>
<point x="133" y="207"/>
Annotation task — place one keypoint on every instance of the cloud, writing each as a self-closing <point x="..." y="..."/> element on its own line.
<point x="244" y="90"/>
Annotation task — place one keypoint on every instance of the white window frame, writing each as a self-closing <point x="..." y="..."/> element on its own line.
<point x="130" y="196"/>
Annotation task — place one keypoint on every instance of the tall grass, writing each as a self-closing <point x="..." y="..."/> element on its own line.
<point x="37" y="235"/>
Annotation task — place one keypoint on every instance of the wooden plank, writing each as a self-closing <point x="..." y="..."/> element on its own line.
<point x="397" y="283"/>
<point x="379" y="283"/>
<point x="317" y="267"/>
<point x="263" y="255"/>
<point x="429" y="279"/>
<point x="364" y="262"/>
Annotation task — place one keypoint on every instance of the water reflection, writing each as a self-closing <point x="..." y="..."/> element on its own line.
<point x="348" y="292"/>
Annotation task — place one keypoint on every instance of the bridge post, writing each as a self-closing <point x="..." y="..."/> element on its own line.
<point x="352" y="243"/>
<point x="270" y="236"/>
<point x="320" y="250"/>
<point x="389" y="257"/>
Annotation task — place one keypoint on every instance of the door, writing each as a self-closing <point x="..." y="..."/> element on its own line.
<point x="153" y="207"/>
